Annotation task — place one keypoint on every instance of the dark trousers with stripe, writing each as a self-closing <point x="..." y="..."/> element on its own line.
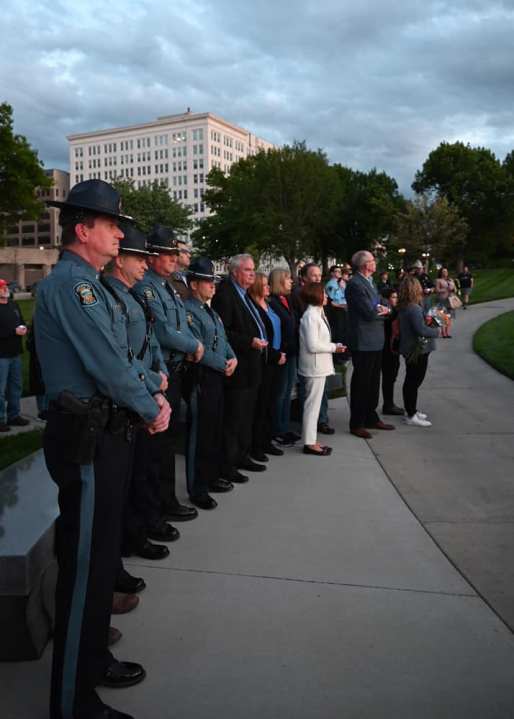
<point x="143" y="506"/>
<point x="204" y="430"/>
<point x="88" y="533"/>
<point x="165" y="441"/>
<point x="365" y="388"/>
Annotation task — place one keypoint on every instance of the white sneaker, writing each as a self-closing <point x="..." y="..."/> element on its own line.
<point x="417" y="421"/>
<point x="422" y="415"/>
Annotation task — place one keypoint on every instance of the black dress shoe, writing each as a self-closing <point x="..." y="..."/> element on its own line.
<point x="127" y="584"/>
<point x="393" y="410"/>
<point x="252" y="466"/>
<point x="221" y="485"/>
<point x="122" y="674"/>
<point x="163" y="532"/>
<point x="324" y="428"/>
<point x="18" y="422"/>
<point x="293" y="436"/>
<point x="147" y="550"/>
<point x="259" y="456"/>
<point x="236" y="477"/>
<point x="274" y="451"/>
<point x="180" y="513"/>
<point x="204" y="502"/>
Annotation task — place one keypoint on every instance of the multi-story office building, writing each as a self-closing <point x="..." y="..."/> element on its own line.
<point x="176" y="150"/>
<point x="29" y="250"/>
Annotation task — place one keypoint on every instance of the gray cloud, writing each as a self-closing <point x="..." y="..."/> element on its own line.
<point x="378" y="84"/>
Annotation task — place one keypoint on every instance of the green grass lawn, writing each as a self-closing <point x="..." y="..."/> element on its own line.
<point x="492" y="285"/>
<point x="19" y="446"/>
<point x="494" y="342"/>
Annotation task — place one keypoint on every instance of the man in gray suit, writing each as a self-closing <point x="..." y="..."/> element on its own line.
<point x="366" y="341"/>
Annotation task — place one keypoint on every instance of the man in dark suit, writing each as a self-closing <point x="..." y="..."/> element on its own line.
<point x="246" y="336"/>
<point x="366" y="341"/>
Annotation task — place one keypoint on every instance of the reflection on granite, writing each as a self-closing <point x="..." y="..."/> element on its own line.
<point x="28" y="505"/>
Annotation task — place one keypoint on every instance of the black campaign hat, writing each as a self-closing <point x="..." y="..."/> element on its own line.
<point x="134" y="241"/>
<point x="95" y="196"/>
<point x="162" y="239"/>
<point x="202" y="269"/>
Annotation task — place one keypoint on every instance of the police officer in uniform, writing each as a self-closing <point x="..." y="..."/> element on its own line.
<point x="142" y="508"/>
<point x="95" y="393"/>
<point x="178" y="345"/>
<point x="179" y="278"/>
<point x="205" y="396"/>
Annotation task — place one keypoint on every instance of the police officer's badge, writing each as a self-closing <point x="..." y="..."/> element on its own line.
<point x="148" y="293"/>
<point x="189" y="318"/>
<point x="85" y="293"/>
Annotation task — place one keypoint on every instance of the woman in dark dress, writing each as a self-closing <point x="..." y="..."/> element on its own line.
<point x="281" y="283"/>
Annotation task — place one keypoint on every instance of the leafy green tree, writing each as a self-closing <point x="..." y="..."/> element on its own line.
<point x="430" y="224"/>
<point x="281" y="202"/>
<point x="370" y="202"/>
<point x="21" y="172"/>
<point x="152" y="204"/>
<point x="473" y="180"/>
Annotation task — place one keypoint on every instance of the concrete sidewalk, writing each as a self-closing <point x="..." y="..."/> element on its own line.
<point x="312" y="592"/>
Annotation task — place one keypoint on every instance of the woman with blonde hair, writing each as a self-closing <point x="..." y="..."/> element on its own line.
<point x="445" y="288"/>
<point x="416" y="343"/>
<point x="281" y="283"/>
<point x="274" y="358"/>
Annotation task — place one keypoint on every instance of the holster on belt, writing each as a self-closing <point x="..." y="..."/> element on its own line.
<point x="89" y="419"/>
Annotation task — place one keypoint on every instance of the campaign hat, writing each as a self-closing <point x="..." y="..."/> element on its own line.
<point x="94" y="196"/>
<point x="202" y="269"/>
<point x="3" y="283"/>
<point x="162" y="239"/>
<point x="134" y="241"/>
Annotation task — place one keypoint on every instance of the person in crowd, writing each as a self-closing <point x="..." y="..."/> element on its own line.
<point x="400" y="275"/>
<point x="93" y="390"/>
<point x="179" y="278"/>
<point x="417" y="340"/>
<point x="36" y="384"/>
<point x="142" y="517"/>
<point x="466" y="282"/>
<point x="275" y="358"/>
<point x="247" y="337"/>
<point x="445" y="287"/>
<point x="383" y="283"/>
<point x="12" y="329"/>
<point x="315" y="363"/>
<point x="311" y="273"/>
<point x="427" y="285"/>
<point x="336" y="307"/>
<point x="390" y="353"/>
<point x="206" y="389"/>
<point x="177" y="345"/>
<point x="366" y="341"/>
<point x="280" y="301"/>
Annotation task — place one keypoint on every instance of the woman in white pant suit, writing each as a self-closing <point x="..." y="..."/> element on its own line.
<point x="315" y="363"/>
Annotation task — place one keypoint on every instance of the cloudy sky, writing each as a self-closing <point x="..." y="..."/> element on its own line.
<point x="374" y="83"/>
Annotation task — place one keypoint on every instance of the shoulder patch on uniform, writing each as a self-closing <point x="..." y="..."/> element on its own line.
<point x="86" y="294"/>
<point x="189" y="318"/>
<point x="148" y="293"/>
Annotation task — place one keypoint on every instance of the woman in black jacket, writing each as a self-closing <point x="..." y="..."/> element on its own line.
<point x="274" y="358"/>
<point x="280" y="301"/>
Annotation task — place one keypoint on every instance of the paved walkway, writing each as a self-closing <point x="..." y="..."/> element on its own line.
<point x="314" y="592"/>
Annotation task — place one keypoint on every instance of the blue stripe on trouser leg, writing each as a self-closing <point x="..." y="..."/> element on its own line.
<point x="191" y="441"/>
<point x="78" y="600"/>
